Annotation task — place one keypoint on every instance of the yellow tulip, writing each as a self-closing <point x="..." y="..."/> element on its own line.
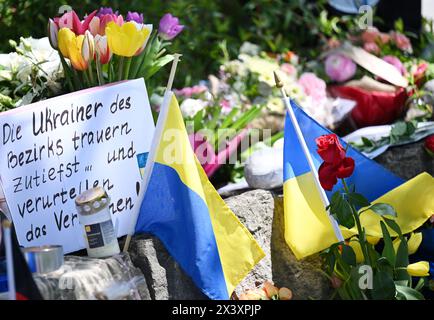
<point x="355" y="244"/>
<point x="372" y="240"/>
<point x="127" y="39"/>
<point x="70" y="46"/>
<point x="413" y="242"/>
<point x="418" y="269"/>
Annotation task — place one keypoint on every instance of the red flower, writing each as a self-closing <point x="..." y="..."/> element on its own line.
<point x="330" y="149"/>
<point x="429" y="145"/>
<point x="346" y="168"/>
<point x="336" y="164"/>
<point x="327" y="176"/>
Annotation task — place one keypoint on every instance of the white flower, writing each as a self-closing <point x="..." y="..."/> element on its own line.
<point x="189" y="107"/>
<point x="249" y="48"/>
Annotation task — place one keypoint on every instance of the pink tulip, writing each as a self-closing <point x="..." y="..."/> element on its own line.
<point x="339" y="67"/>
<point x="71" y="21"/>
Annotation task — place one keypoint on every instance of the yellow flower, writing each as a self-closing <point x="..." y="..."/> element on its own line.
<point x="355" y="244"/>
<point x="418" y="269"/>
<point x="128" y="39"/>
<point x="413" y="242"/>
<point x="70" y="46"/>
<point x="372" y="240"/>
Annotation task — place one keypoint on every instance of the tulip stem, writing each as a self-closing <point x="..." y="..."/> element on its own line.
<point x="120" y="68"/>
<point x="99" y="71"/>
<point x="127" y="68"/>
<point x="91" y="78"/>
<point x="360" y="229"/>
<point x="67" y="72"/>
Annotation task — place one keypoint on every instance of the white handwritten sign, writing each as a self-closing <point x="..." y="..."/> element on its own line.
<point x="53" y="150"/>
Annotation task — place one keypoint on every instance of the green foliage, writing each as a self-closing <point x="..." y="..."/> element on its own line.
<point x="274" y="25"/>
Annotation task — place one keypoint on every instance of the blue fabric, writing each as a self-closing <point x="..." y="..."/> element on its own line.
<point x="370" y="178"/>
<point x="180" y="219"/>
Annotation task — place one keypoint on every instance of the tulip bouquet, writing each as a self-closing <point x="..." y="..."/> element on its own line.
<point x="347" y="263"/>
<point x="106" y="47"/>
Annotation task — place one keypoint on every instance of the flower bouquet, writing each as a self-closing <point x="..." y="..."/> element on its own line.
<point x="357" y="268"/>
<point x="106" y="47"/>
<point x="378" y="101"/>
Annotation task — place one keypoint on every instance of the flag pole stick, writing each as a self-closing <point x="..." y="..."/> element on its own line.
<point x="155" y="140"/>
<point x="308" y="156"/>
<point x="9" y="260"/>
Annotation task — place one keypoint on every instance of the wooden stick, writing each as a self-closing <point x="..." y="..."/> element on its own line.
<point x="155" y="140"/>
<point x="308" y="156"/>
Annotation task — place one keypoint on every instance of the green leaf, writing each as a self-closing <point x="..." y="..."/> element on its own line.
<point x="367" y="142"/>
<point x="399" y="129"/>
<point x="385" y="266"/>
<point x="402" y="261"/>
<point x="348" y="255"/>
<point x="393" y="225"/>
<point x="382" y="209"/>
<point x="340" y="208"/>
<point x="383" y="286"/>
<point x="358" y="200"/>
<point x="388" y="250"/>
<point x="409" y="293"/>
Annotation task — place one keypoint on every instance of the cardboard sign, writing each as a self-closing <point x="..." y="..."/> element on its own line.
<point x="53" y="150"/>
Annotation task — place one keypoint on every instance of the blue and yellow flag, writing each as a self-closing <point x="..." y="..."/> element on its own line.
<point x="308" y="230"/>
<point x="182" y="208"/>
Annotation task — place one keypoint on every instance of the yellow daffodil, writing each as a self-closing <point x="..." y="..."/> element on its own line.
<point x="128" y="39"/>
<point x="413" y="242"/>
<point x="418" y="269"/>
<point x="70" y="46"/>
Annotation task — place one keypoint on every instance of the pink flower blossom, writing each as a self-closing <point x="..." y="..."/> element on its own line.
<point x="288" y="69"/>
<point x="370" y="35"/>
<point x="226" y="106"/>
<point x="371" y="47"/>
<point x="339" y="67"/>
<point x="71" y="21"/>
<point x="187" y="92"/>
<point x="313" y="87"/>
<point x="401" y="41"/>
<point x="394" y="61"/>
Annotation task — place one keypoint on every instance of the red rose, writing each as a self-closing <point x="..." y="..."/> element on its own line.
<point x="327" y="176"/>
<point x="429" y="145"/>
<point x="330" y="149"/>
<point x="346" y="168"/>
<point x="336" y="165"/>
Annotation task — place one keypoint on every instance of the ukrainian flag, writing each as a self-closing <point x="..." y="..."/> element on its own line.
<point x="308" y="229"/>
<point x="182" y="208"/>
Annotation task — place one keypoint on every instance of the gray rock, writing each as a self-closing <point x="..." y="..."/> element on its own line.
<point x="262" y="213"/>
<point x="264" y="168"/>
<point x="164" y="276"/>
<point x="407" y="161"/>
